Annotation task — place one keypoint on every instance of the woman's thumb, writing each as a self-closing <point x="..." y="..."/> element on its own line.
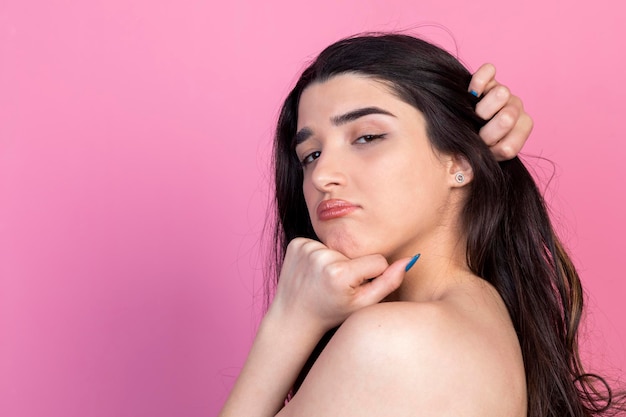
<point x="378" y="288"/>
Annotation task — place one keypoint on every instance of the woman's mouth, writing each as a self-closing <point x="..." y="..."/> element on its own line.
<point x="334" y="208"/>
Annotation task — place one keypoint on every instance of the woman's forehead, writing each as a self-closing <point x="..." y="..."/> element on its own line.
<point x="342" y="94"/>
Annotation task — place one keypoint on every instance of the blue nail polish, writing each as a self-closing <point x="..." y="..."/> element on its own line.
<point x="411" y="263"/>
<point x="474" y="93"/>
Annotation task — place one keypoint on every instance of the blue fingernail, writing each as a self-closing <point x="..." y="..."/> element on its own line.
<point x="474" y="93"/>
<point x="411" y="263"/>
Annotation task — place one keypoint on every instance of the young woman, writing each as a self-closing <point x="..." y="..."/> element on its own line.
<point x="386" y="192"/>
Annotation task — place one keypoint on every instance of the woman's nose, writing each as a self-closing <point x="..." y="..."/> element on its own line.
<point x="329" y="170"/>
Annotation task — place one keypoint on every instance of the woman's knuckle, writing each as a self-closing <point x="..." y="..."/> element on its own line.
<point x="507" y="151"/>
<point x="503" y="92"/>
<point x="507" y="118"/>
<point x="334" y="270"/>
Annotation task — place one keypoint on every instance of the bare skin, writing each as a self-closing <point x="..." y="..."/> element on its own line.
<point x="454" y="355"/>
<point x="445" y="346"/>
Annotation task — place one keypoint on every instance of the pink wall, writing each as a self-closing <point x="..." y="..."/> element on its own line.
<point x="134" y="140"/>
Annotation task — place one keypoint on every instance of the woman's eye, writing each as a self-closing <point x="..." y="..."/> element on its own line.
<point x="369" y="138"/>
<point x="310" y="158"/>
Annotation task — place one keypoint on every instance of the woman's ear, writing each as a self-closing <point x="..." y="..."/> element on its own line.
<point x="460" y="171"/>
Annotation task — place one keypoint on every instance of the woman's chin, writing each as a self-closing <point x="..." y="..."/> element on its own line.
<point x="345" y="245"/>
<point x="350" y="249"/>
<point x="349" y="253"/>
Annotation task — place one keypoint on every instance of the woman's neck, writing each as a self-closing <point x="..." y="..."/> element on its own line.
<point x="442" y="265"/>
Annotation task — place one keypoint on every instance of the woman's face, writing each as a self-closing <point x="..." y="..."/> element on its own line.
<point x="372" y="181"/>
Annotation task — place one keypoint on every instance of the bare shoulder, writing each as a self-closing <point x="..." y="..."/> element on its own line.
<point x="400" y="357"/>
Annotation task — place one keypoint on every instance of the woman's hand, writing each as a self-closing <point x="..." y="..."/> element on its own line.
<point x="509" y="125"/>
<point x="321" y="287"/>
<point x="318" y="289"/>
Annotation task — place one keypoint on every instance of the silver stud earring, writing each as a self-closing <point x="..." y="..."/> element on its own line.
<point x="459" y="177"/>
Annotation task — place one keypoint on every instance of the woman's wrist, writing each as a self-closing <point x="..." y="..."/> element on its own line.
<point x="297" y="326"/>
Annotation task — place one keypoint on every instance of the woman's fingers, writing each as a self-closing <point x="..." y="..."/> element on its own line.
<point x="502" y="123"/>
<point x="482" y="80"/>
<point x="509" y="126"/>
<point x="510" y="145"/>
<point x="373" y="290"/>
<point x="494" y="101"/>
<point x="325" y="286"/>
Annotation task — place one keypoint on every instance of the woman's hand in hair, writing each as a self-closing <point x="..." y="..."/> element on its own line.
<point x="509" y="125"/>
<point x="321" y="287"/>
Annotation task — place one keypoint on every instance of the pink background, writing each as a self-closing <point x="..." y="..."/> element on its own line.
<point x="134" y="140"/>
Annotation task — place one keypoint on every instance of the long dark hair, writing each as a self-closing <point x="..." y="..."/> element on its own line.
<point x="510" y="240"/>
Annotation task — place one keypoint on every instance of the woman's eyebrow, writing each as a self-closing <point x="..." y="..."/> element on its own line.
<point x="355" y="114"/>
<point x="304" y="133"/>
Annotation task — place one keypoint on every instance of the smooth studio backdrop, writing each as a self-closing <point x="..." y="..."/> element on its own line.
<point x="134" y="146"/>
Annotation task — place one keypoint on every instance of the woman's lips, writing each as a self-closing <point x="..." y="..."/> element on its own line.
<point x="332" y="209"/>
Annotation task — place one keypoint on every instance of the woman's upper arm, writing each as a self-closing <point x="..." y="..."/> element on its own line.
<point x="389" y="359"/>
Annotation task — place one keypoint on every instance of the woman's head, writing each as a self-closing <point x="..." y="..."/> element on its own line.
<point x="427" y="88"/>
